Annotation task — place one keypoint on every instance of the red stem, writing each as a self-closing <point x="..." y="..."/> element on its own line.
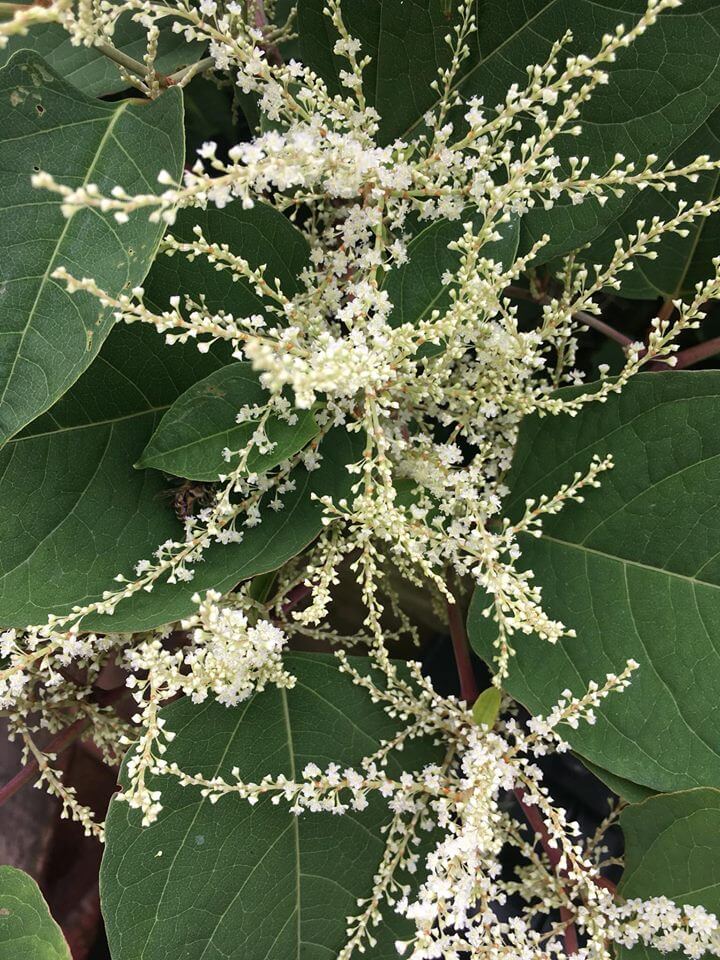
<point x="271" y="51"/>
<point x="604" y="882"/>
<point x="589" y="319"/>
<point x="295" y="596"/>
<point x="61" y="741"/>
<point x="469" y="693"/>
<point x="701" y="351"/>
<point x="463" y="659"/>
<point x="533" y="817"/>
<point x="597" y="324"/>
<point x="570" y="932"/>
<point x="58" y="743"/>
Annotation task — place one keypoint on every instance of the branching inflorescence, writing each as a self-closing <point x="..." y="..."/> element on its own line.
<point x="437" y="403"/>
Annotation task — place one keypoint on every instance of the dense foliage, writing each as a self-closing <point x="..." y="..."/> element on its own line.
<point x="307" y="351"/>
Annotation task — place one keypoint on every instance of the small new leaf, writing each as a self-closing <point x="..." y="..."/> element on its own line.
<point x="486" y="708"/>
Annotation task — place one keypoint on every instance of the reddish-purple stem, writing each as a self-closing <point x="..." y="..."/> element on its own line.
<point x="533" y="817"/>
<point x="271" y="51"/>
<point x="469" y="693"/>
<point x="58" y="743"/>
<point x="463" y="659"/>
<point x="295" y="596"/>
<point x="597" y="324"/>
<point x="701" y="351"/>
<point x="589" y="319"/>
<point x="61" y="741"/>
<point x="569" y="932"/>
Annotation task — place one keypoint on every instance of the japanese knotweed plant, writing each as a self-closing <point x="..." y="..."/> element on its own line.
<point x="356" y="370"/>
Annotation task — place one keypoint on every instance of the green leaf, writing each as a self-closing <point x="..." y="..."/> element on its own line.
<point x="416" y="289"/>
<point x="280" y="537"/>
<point x="405" y="40"/>
<point x="69" y="463"/>
<point x="76" y="512"/>
<point x="91" y="71"/>
<point x="208" y="114"/>
<point x="635" y="570"/>
<point x="236" y="881"/>
<point x="48" y="336"/>
<point x="632" y="792"/>
<point x="682" y="262"/>
<point x="487" y="707"/>
<point x="192" y="435"/>
<point x="671" y="851"/>
<point x="262" y="235"/>
<point x="660" y="91"/>
<point x="27" y="931"/>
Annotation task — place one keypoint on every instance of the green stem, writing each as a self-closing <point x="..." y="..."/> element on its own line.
<point x="123" y="60"/>
<point x="184" y="76"/>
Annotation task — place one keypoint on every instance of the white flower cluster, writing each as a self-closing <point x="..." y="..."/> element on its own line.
<point x="438" y="397"/>
<point x="227" y="657"/>
<point x="464" y="801"/>
<point x="464" y="368"/>
<point x="662" y="924"/>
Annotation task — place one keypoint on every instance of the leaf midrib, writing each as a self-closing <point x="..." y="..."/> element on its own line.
<point x="627" y="562"/>
<point x="111" y="421"/>
<point x="180" y="846"/>
<point x="51" y="263"/>
<point x="296" y="824"/>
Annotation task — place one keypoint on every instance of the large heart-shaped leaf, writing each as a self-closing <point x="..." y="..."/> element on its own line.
<point x="635" y="570"/>
<point x="77" y="512"/>
<point x="27" y="931"/>
<point x="90" y="70"/>
<point x="671" y="851"/>
<point x="48" y="337"/>
<point x="192" y="435"/>
<point x="288" y="882"/>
